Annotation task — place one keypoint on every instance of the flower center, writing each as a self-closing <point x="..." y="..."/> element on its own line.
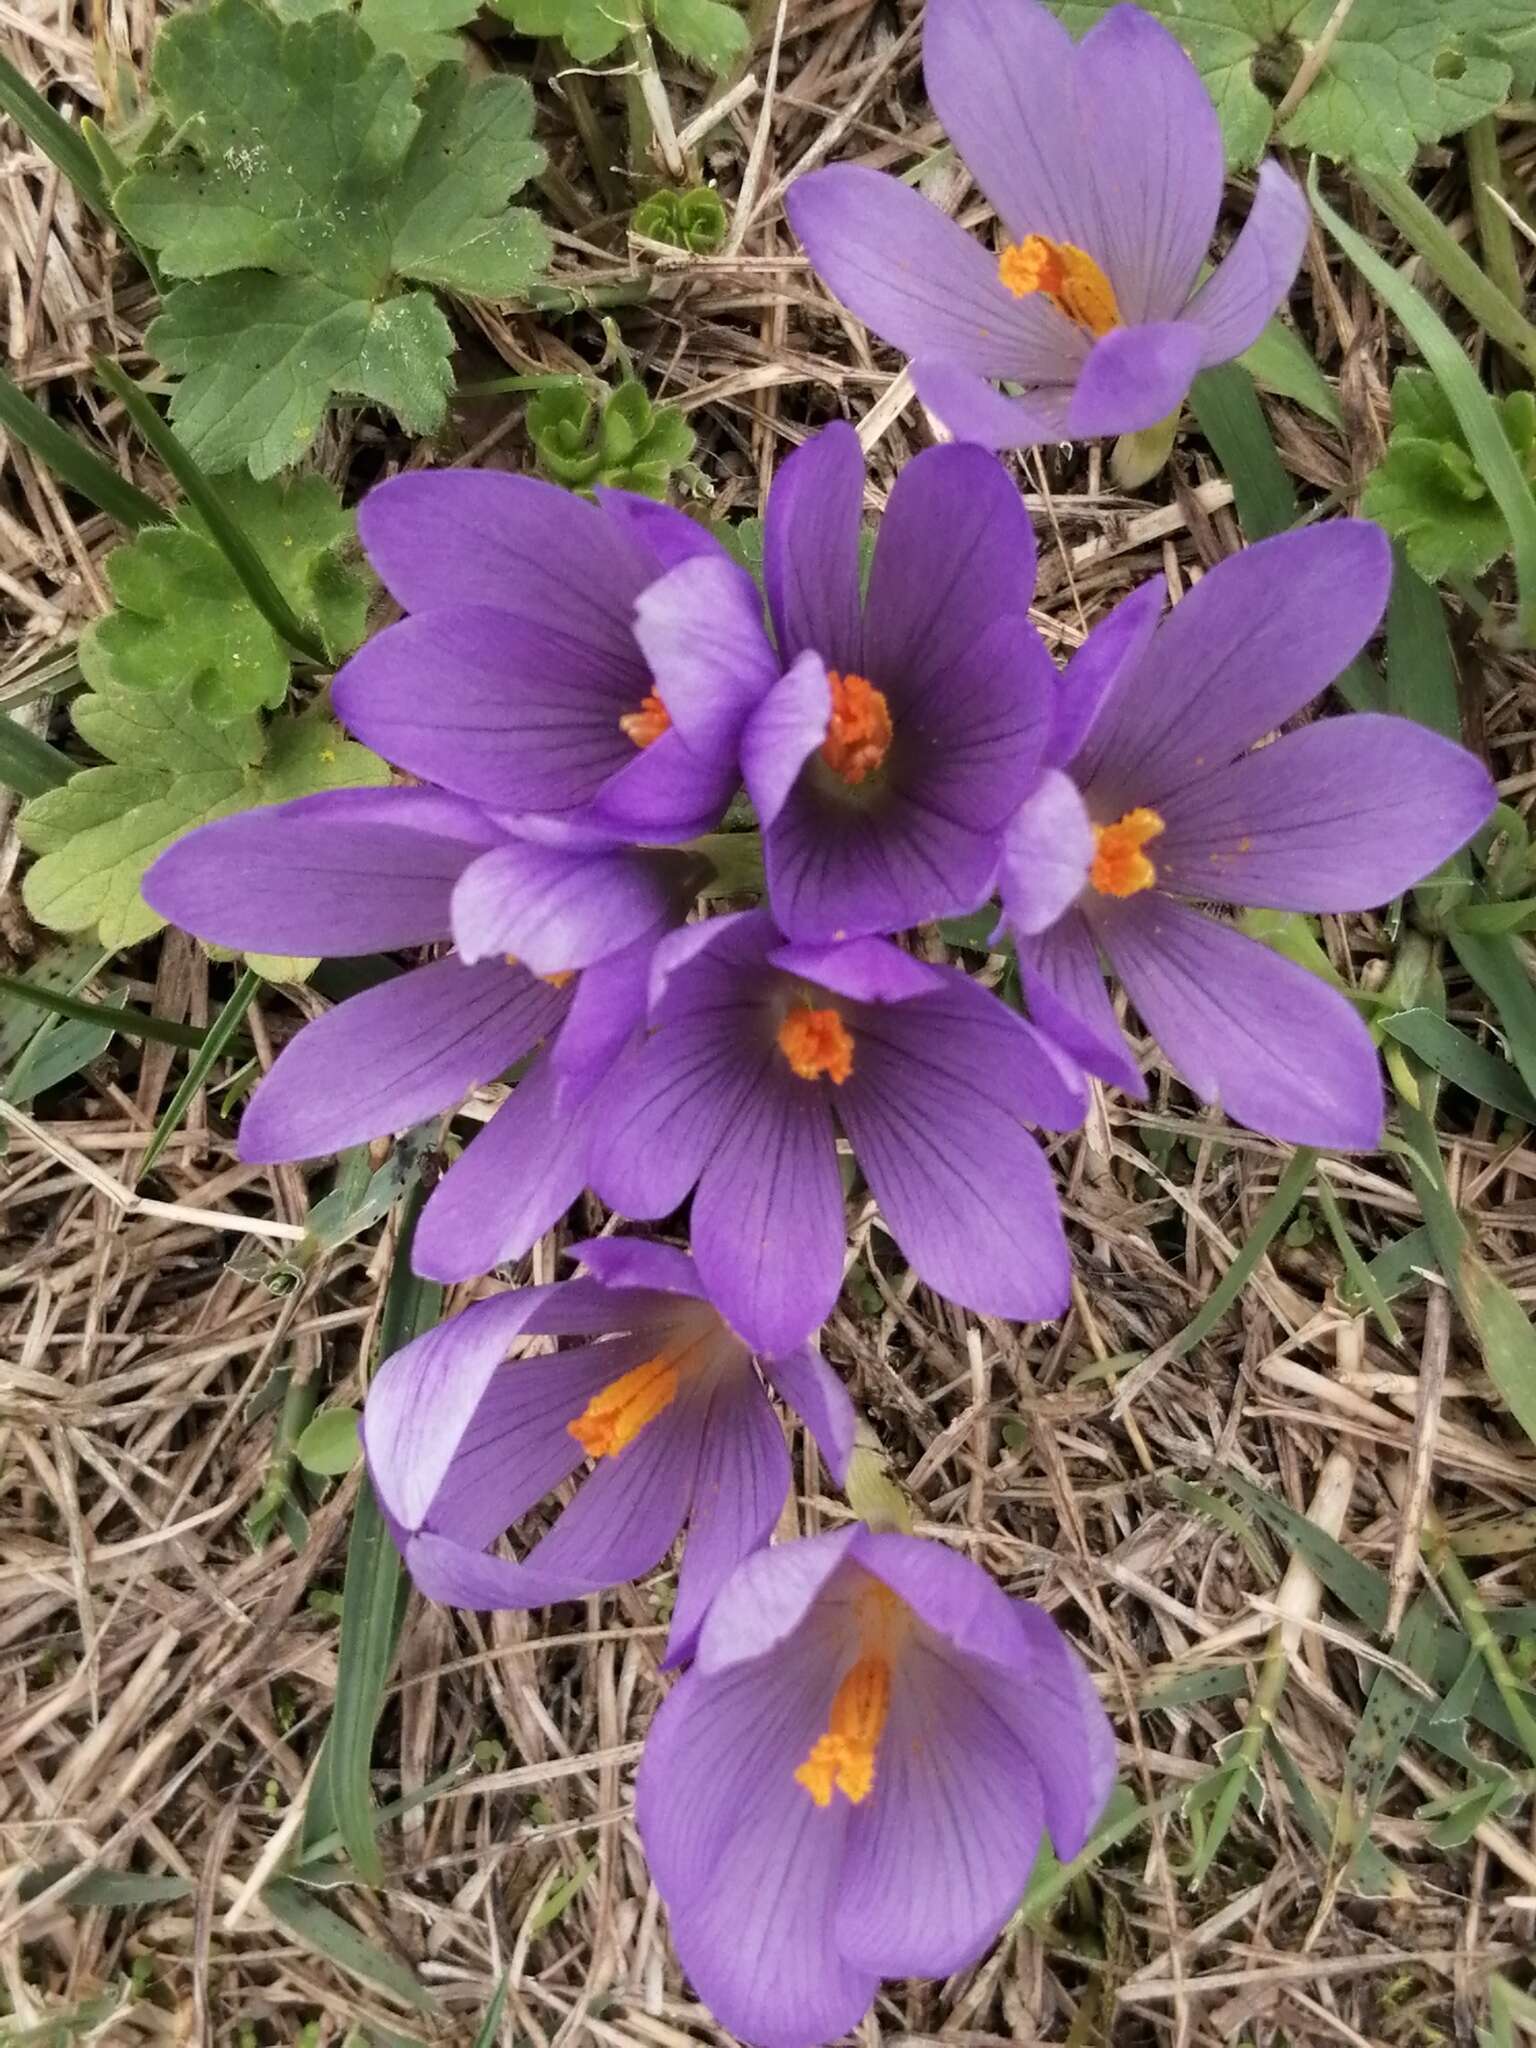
<point x="859" y="730"/>
<point x="615" y="1416"/>
<point x="843" y="1759"/>
<point x="559" y="979"/>
<point x="1120" y="868"/>
<point x="817" y="1042"/>
<point x="646" y="725"/>
<point x="1067" y="275"/>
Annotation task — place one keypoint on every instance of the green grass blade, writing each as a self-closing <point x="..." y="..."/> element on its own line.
<point x="325" y="1933"/>
<point x="1270" y="1220"/>
<point x="63" y="145"/>
<point x="1230" y="417"/>
<point x="485" y="2033"/>
<point x="1495" y="965"/>
<point x="1281" y="362"/>
<point x="1458" y="1058"/>
<point x="74" y="464"/>
<point x="201" y="493"/>
<point x="1421" y="676"/>
<point x="131" y="1023"/>
<point x="220" y="1032"/>
<point x="1460" y="273"/>
<point x="28" y="764"/>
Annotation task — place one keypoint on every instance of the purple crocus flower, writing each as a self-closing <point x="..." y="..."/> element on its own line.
<point x="1157" y="798"/>
<point x="664" y="1399"/>
<point x="1103" y="161"/>
<point x="758" y="1049"/>
<point x="907" y="727"/>
<point x="363" y="871"/>
<point x="852" y="1780"/>
<point x="593" y="662"/>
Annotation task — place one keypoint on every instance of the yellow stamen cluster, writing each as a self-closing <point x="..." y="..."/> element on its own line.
<point x="615" y="1416"/>
<point x="1120" y="868"/>
<point x="859" y="730"/>
<point x="646" y="725"/>
<point x="817" y="1042"/>
<point x="1067" y="275"/>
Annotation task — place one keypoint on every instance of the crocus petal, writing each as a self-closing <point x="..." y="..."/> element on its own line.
<point x="973" y="410"/>
<point x="1119" y="641"/>
<point x="738" y="1493"/>
<point x="607" y="1011"/>
<point x="955" y="556"/>
<point x="404" y="1050"/>
<point x="782" y="734"/>
<point x="1258" y="637"/>
<point x="1133" y="378"/>
<point x="955" y="1797"/>
<point x="1154" y="151"/>
<point x="477" y="700"/>
<point x="1047" y="852"/>
<point x="811" y="547"/>
<point x="701" y="629"/>
<point x="768" y="1224"/>
<point x="1064" y="962"/>
<point x="867" y="970"/>
<point x="557" y="909"/>
<point x="479" y="537"/>
<point x="921" y="282"/>
<point x="516" y="1179"/>
<point x="804" y="1379"/>
<point x="1050" y="1703"/>
<point x="1339" y="816"/>
<point x="349" y="871"/>
<point x="666" y="791"/>
<point x="660" y="531"/>
<point x="1269" y="1043"/>
<point x="657" y="1118"/>
<point x="1236" y="302"/>
<point x="638" y="1262"/>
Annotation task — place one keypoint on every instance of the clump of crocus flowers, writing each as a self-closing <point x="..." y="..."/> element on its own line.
<point x="853" y="1776"/>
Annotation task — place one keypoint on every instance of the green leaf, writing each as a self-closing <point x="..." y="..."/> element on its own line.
<point x="694" y="220"/>
<point x="1451" y="1053"/>
<point x="325" y="1933"/>
<point x="1293" y="935"/>
<point x="185" y="621"/>
<point x="1399" y="73"/>
<point x="1232" y="420"/>
<point x="706" y="32"/>
<point x="169" y="769"/>
<point x="306" y="186"/>
<point x="329" y="1443"/>
<point x="1280" y="361"/>
<point x="619" y="439"/>
<point x="420" y="31"/>
<point x="1428" y="491"/>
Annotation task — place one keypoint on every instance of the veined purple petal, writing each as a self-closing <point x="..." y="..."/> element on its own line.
<point x="1133" y="378"/>
<point x="557" y="909"/>
<point x="1117" y="643"/>
<point x="1050" y="1704"/>
<point x="738" y="1492"/>
<point x="607" y="1011"/>
<point x="666" y="791"/>
<point x="1064" y="963"/>
<point x="770" y="1596"/>
<point x="783" y="733"/>
<point x="661" y="532"/>
<point x="347" y="871"/>
<point x="638" y="1262"/>
<point x="1269" y="1043"/>
<point x="1047" y="852"/>
<point x="493" y="708"/>
<point x="701" y="629"/>
<point x="811" y="547"/>
<point x="973" y="411"/>
<point x="804" y="1379"/>
<point x="453" y="538"/>
<point x="1342" y="815"/>
<point x="1257" y="638"/>
<point x="394" y="1054"/>
<point x="866" y="970"/>
<point x="515" y="1180"/>
<point x="658" y="1117"/>
<point x="921" y="282"/>
<point x="1233" y="306"/>
<point x="1154" y="151"/>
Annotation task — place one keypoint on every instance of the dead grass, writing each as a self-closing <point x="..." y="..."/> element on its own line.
<point x="163" y="1686"/>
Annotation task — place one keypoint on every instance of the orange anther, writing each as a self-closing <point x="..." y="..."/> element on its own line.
<point x="646" y="725"/>
<point x="1120" y="868"/>
<point x="817" y="1042"/>
<point x="1068" y="276"/>
<point x="859" y="730"/>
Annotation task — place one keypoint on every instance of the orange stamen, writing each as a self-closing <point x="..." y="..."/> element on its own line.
<point x="859" y="730"/>
<point x="843" y="1759"/>
<point x="817" y="1042"/>
<point x="1069" y="278"/>
<point x="615" y="1416"/>
<point x="558" y="979"/>
<point x="646" y="725"/>
<point x="1120" y="868"/>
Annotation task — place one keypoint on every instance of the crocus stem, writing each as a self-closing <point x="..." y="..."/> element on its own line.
<point x="1463" y="278"/>
<point x="1495" y="236"/>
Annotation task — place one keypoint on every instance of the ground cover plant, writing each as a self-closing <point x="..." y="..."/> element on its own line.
<point x="768" y="1026"/>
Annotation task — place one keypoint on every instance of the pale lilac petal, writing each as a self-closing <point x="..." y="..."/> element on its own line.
<point x="1257" y="638"/>
<point x="607" y="1011"/>
<point x="1273" y="1046"/>
<point x="957" y="1798"/>
<point x="661" y="532"/>
<point x="1239" y="298"/>
<point x="811" y="549"/>
<point x="769" y="1598"/>
<point x="1064" y="962"/>
<point x="701" y="629"/>
<point x="783" y="733"/>
<point x="868" y="970"/>
<point x="1052" y="1707"/>
<point x="556" y="909"/>
<point x="738" y="1493"/>
<point x="442" y="538"/>
<point x="973" y="410"/>
<point x="349" y="871"/>
<point x="480" y="702"/>
<point x="1134" y="377"/>
<point x="921" y="282"/>
<point x="1047" y="852"/>
<point x="804" y="1379"/>
<point x="1343" y="815"/>
<point x="404" y="1050"/>
<point x="638" y="1262"/>
<point x="516" y="1179"/>
<point x="1154" y="151"/>
<point x="1106" y="659"/>
<point x="665" y="792"/>
<point x="768" y="1223"/>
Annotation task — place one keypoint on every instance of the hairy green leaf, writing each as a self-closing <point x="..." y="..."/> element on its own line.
<point x="1428" y="491"/>
<point x="306" y="188"/>
<point x="420" y="31"/>
<point x="167" y="769"/>
<point x="184" y="620"/>
<point x="707" y="32"/>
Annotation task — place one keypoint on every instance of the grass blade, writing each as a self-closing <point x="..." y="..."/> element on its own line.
<point x="1230" y="417"/>
<point x="220" y="1032"/>
<point x="200" y="492"/>
<point x="485" y="2033"/>
<point x="132" y="1023"/>
<point x="1495" y="965"/>
<point x="74" y="464"/>
<point x="28" y="764"/>
<point x="63" y="145"/>
<point x="1458" y="1058"/>
<point x="328" y="1935"/>
<point x="1281" y="362"/>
